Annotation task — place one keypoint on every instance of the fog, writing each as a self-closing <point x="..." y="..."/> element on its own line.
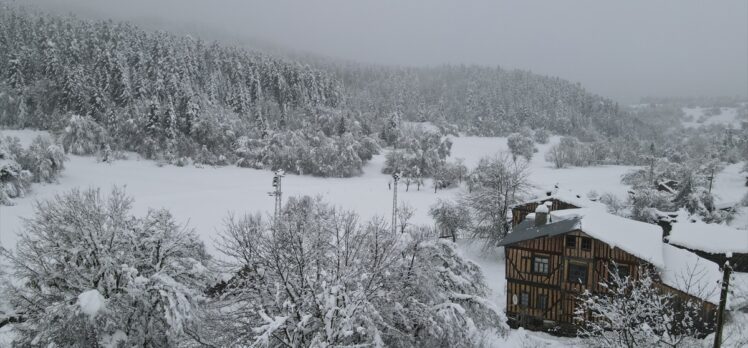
<point x="624" y="50"/>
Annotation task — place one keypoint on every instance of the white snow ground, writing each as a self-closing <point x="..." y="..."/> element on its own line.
<point x="696" y="117"/>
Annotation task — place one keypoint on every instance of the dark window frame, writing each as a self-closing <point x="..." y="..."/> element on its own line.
<point x="588" y="241"/>
<point x="572" y="239"/>
<point x="578" y="267"/>
<point x="522" y="296"/>
<point x="547" y="264"/>
<point x="541" y="302"/>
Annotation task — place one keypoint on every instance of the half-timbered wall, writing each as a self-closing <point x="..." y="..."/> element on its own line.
<point x="596" y="256"/>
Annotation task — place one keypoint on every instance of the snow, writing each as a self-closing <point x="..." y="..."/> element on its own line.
<point x="543" y="174"/>
<point x="640" y="239"/>
<point x="541" y="209"/>
<point x="711" y="238"/>
<point x="91" y="302"/>
<point x="729" y="185"/>
<point x="203" y="197"/>
<point x="565" y="195"/>
<point x="421" y="126"/>
<point x="691" y="274"/>
<point x="26" y="136"/>
<point x="728" y="116"/>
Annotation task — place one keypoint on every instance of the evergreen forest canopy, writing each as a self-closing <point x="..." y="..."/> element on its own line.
<point x="101" y="84"/>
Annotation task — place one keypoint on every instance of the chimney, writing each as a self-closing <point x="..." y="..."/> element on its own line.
<point x="541" y="215"/>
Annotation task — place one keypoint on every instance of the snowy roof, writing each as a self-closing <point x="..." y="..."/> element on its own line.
<point x="691" y="274"/>
<point x="711" y="238"/>
<point x="564" y="195"/>
<point x="640" y="239"/>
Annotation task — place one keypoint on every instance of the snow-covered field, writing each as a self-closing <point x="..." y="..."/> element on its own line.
<point x="697" y="117"/>
<point x="203" y="197"/>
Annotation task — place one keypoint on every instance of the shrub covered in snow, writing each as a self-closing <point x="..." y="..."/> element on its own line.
<point x="83" y="136"/>
<point x="14" y="180"/>
<point x="319" y="277"/>
<point x="80" y="250"/>
<point x="521" y="145"/>
<point x="44" y="159"/>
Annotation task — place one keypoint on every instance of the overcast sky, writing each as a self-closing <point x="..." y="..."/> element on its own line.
<point x="620" y="49"/>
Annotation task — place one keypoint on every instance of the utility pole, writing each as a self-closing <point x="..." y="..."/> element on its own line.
<point x="395" y="179"/>
<point x="726" y="270"/>
<point x="277" y="193"/>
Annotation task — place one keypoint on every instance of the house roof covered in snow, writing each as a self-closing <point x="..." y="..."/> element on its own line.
<point x="711" y="238"/>
<point x="694" y="275"/>
<point x="564" y="195"/>
<point x="638" y="238"/>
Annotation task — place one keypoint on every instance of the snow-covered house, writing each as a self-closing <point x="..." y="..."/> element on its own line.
<point x="554" y="255"/>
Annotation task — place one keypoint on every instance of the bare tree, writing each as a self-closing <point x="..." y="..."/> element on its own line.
<point x="497" y="183"/>
<point x="405" y="212"/>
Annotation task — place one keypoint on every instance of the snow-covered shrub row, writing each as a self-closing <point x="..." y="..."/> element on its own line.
<point x="307" y="153"/>
<point x="87" y="272"/>
<point x="41" y="162"/>
<point x="320" y="277"/>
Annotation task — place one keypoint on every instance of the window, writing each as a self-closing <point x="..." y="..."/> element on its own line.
<point x="540" y="264"/>
<point x="622" y="270"/>
<point x="586" y="243"/>
<point x="571" y="241"/>
<point x="542" y="302"/>
<point x="524" y="299"/>
<point x="577" y="273"/>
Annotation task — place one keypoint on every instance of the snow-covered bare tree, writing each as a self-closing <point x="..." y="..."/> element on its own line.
<point x="497" y="183"/>
<point x="451" y="218"/>
<point x="405" y="213"/>
<point x="636" y="313"/>
<point x="521" y="145"/>
<point x="87" y="272"/>
<point x="319" y="277"/>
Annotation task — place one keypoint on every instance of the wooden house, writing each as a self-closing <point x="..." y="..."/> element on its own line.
<point x="554" y="255"/>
